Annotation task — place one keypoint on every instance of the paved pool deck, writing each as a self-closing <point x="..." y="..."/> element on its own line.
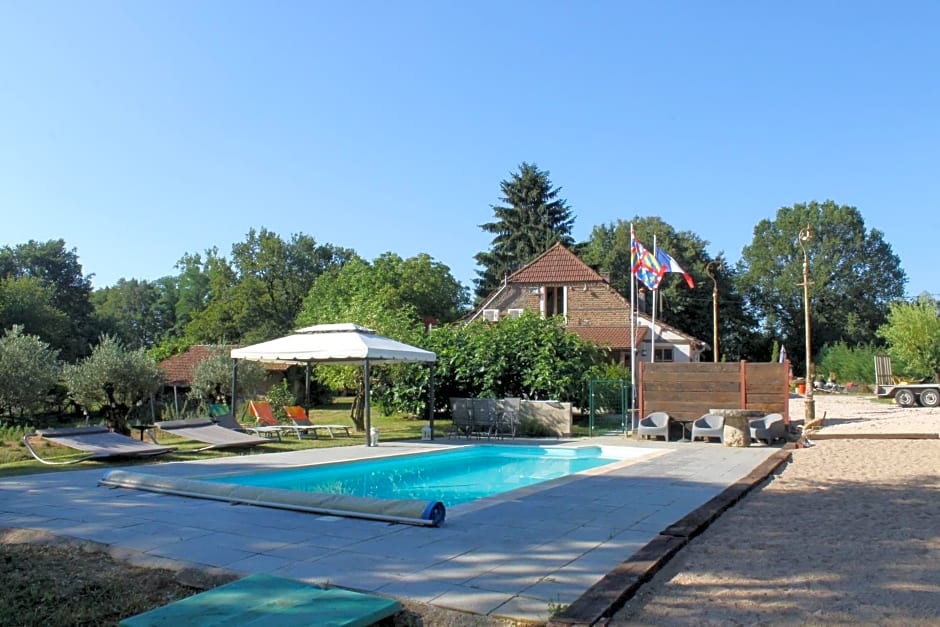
<point x="515" y="556"/>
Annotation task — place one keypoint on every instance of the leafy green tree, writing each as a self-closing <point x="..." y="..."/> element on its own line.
<point x="216" y="321"/>
<point x="854" y="275"/>
<point x="529" y="221"/>
<point x="372" y="296"/>
<point x="134" y="312"/>
<point x="427" y="285"/>
<point x="189" y="290"/>
<point x="913" y="335"/>
<point x="28" y="302"/>
<point x="29" y="369"/>
<point x="689" y="310"/>
<point x="258" y="295"/>
<point x="528" y="356"/>
<point x="113" y="380"/>
<point x="58" y="270"/>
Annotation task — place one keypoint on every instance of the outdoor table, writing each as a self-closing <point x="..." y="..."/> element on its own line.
<point x="737" y="431"/>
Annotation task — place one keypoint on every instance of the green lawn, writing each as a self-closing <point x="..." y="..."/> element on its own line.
<point x="16" y="460"/>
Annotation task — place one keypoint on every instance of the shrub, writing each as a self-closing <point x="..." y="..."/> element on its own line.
<point x="847" y="364"/>
<point x="279" y="397"/>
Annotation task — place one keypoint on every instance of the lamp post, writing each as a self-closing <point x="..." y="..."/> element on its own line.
<point x="710" y="271"/>
<point x="810" y="405"/>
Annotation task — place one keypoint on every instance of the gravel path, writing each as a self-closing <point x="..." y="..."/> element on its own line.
<point x="847" y="533"/>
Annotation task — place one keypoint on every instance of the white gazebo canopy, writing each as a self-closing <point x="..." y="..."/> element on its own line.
<point x="343" y="344"/>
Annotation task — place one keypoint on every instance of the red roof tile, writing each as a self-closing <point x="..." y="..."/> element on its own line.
<point x="178" y="369"/>
<point x="556" y="266"/>
<point x="616" y="338"/>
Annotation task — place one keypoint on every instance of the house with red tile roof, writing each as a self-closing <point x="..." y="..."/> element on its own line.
<point x="557" y="282"/>
<point x="178" y="370"/>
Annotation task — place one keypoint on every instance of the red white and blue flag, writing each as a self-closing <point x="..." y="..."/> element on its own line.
<point x="668" y="264"/>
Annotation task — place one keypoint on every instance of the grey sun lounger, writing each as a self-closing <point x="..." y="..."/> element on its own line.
<point x="204" y="430"/>
<point x="97" y="442"/>
<point x="228" y="421"/>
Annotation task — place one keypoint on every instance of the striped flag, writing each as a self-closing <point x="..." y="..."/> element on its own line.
<point x="644" y="263"/>
<point x="668" y="264"/>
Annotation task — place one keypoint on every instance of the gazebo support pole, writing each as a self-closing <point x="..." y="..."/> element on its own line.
<point x="307" y="387"/>
<point x="366" y="409"/>
<point x="431" y="402"/>
<point x="234" y="387"/>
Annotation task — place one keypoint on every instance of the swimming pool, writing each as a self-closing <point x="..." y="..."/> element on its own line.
<point x="452" y="476"/>
<point x="407" y="488"/>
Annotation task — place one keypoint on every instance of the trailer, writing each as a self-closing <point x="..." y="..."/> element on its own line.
<point x="904" y="394"/>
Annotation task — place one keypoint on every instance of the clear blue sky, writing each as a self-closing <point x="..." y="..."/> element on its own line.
<point x="141" y="131"/>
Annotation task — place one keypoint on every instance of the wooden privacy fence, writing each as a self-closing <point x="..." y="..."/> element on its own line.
<point x="687" y="390"/>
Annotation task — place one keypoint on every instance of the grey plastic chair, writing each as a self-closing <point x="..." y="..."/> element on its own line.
<point x="508" y="417"/>
<point x="768" y="429"/>
<point x="482" y="417"/>
<point x="709" y="426"/>
<point x="655" y="424"/>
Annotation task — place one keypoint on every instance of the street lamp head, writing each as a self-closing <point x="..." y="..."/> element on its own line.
<point x="716" y="265"/>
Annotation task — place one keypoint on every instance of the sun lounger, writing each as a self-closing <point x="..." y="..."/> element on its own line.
<point x="263" y="413"/>
<point x="97" y="442"/>
<point x="228" y="421"/>
<point x="300" y="419"/>
<point x="204" y="430"/>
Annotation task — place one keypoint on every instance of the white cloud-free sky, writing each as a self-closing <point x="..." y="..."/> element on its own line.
<point x="141" y="131"/>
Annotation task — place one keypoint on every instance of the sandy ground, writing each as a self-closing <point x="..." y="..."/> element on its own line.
<point x="847" y="533"/>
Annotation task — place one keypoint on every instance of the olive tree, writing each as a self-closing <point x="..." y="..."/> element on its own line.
<point x="114" y="380"/>
<point x="212" y="377"/>
<point x="29" y="368"/>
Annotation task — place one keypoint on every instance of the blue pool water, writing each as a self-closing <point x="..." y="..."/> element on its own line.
<point x="453" y="476"/>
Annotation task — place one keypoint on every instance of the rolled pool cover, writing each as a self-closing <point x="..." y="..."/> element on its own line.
<point x="408" y="511"/>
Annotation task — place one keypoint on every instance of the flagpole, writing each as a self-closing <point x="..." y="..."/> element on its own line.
<point x="653" y="336"/>
<point x="633" y="322"/>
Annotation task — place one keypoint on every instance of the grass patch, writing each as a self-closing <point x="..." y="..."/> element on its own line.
<point x="76" y="584"/>
<point x="15" y="460"/>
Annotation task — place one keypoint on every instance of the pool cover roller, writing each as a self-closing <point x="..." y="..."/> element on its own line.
<point x="408" y="511"/>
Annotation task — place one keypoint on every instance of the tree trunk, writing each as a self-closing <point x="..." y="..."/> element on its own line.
<point x="358" y="410"/>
